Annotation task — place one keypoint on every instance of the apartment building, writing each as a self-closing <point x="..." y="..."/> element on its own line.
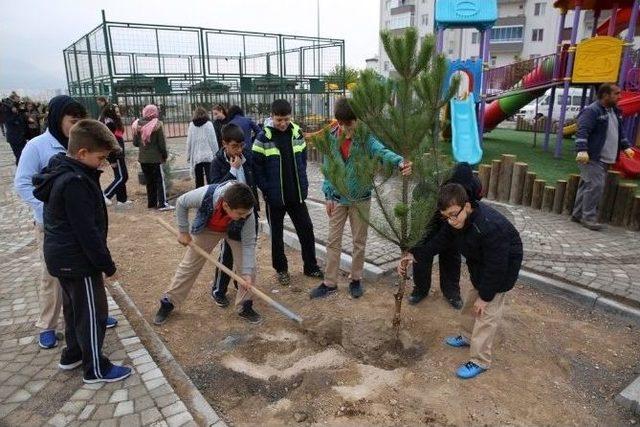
<point x="525" y="29"/>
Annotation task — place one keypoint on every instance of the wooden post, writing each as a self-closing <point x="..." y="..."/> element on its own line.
<point x="558" y="200"/>
<point x="484" y="173"/>
<point x="634" y="217"/>
<point x="605" y="209"/>
<point x="527" y="191"/>
<point x="548" y="196"/>
<point x="536" y="195"/>
<point x="493" y="179"/>
<point x="504" y="180"/>
<point x="570" y="194"/>
<point x="517" y="183"/>
<point x="622" y="204"/>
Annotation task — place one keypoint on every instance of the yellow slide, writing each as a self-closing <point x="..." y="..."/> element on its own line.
<point x="569" y="130"/>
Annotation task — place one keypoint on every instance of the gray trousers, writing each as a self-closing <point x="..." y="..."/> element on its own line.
<point x="592" y="177"/>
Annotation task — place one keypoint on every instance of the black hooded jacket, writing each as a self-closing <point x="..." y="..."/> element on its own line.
<point x="57" y="105"/>
<point x="75" y="219"/>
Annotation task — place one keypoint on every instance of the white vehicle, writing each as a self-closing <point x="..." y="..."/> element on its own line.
<point x="528" y="112"/>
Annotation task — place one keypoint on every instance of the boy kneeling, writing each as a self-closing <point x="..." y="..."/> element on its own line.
<point x="493" y="250"/>
<point x="225" y="211"/>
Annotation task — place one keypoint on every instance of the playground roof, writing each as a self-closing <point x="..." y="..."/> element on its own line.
<point x="592" y="4"/>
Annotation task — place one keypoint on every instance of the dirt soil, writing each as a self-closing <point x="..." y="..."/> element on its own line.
<point x="555" y="363"/>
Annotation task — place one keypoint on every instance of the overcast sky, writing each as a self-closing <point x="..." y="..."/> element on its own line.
<point x="34" y="33"/>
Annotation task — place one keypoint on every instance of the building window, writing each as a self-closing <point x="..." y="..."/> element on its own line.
<point x="494" y="59"/>
<point x="538" y="9"/>
<point x="425" y="19"/>
<point x="506" y="34"/>
<point x="401" y="21"/>
<point x="388" y="4"/>
<point x="537" y="34"/>
<point x="474" y="37"/>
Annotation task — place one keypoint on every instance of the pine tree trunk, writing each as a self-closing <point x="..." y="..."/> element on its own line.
<point x="404" y="230"/>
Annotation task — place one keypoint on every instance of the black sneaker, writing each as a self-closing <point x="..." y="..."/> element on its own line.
<point x="163" y="312"/>
<point x="68" y="363"/>
<point x="283" y="278"/>
<point x="220" y="300"/>
<point x="315" y="272"/>
<point x="416" y="296"/>
<point x="455" y="302"/>
<point x="356" y="289"/>
<point x="322" y="291"/>
<point x="575" y="219"/>
<point x="250" y="315"/>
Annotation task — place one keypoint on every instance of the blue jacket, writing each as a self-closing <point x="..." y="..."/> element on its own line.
<point x="248" y="126"/>
<point x="267" y="165"/>
<point x="358" y="191"/>
<point x="593" y="123"/>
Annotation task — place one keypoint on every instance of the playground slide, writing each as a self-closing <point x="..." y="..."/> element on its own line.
<point x="629" y="103"/>
<point x="622" y="23"/>
<point x="465" y="140"/>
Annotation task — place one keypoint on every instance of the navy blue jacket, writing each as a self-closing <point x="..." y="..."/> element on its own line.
<point x="491" y="246"/>
<point x="267" y="164"/>
<point x="593" y="123"/>
<point x="75" y="219"/>
<point x="248" y="126"/>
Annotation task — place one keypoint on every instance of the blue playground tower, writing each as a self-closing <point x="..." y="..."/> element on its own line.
<point x="481" y="15"/>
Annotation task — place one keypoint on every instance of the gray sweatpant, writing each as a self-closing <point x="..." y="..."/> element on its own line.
<point x="592" y="177"/>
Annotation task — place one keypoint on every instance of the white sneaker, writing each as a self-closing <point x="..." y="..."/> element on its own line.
<point x="166" y="207"/>
<point x="107" y="201"/>
<point x="124" y="205"/>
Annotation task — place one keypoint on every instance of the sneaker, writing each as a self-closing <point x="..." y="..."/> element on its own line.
<point x="356" y="289"/>
<point x="163" y="312"/>
<point x="68" y="364"/>
<point x="116" y="373"/>
<point x="322" y="291"/>
<point x="469" y="370"/>
<point x="455" y="302"/>
<point x="166" y="207"/>
<point x="283" y="278"/>
<point x="250" y="315"/>
<point x="457" y="341"/>
<point x="575" y="219"/>
<point x="48" y="339"/>
<point x="107" y="201"/>
<point x="417" y="295"/>
<point x="111" y="322"/>
<point x="592" y="225"/>
<point x="220" y="300"/>
<point x="315" y="272"/>
<point x="124" y="205"/>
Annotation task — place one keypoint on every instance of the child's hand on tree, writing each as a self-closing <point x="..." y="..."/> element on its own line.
<point x="479" y="307"/>
<point x="405" y="167"/>
<point x="406" y="259"/>
<point x="184" y="239"/>
<point x="330" y="206"/>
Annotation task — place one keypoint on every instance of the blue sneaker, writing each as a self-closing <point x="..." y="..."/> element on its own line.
<point x="111" y="322"/>
<point x="48" y="339"/>
<point x="116" y="373"/>
<point x="469" y="370"/>
<point x="457" y="342"/>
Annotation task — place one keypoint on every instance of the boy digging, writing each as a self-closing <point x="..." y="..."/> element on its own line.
<point x="75" y="246"/>
<point x="340" y="207"/>
<point x="493" y="250"/>
<point x="224" y="211"/>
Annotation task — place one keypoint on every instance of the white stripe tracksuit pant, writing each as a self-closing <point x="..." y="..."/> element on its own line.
<point x="85" y="316"/>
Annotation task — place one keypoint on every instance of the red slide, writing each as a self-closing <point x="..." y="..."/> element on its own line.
<point x="629" y="103"/>
<point x="622" y="23"/>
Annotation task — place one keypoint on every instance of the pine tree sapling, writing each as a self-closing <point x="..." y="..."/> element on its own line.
<point x="403" y="112"/>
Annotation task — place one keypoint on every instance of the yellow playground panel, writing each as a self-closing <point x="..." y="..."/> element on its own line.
<point x="597" y="60"/>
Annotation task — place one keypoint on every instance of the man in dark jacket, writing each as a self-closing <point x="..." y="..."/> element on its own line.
<point x="75" y="246"/>
<point x="248" y="126"/>
<point x="599" y="139"/>
<point x="16" y="124"/>
<point x="280" y="167"/>
<point x="493" y="250"/>
<point x="449" y="258"/>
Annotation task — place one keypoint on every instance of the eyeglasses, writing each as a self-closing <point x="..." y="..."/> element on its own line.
<point x="452" y="217"/>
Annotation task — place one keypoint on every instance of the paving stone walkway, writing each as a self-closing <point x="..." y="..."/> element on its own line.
<point x="607" y="261"/>
<point x="33" y="391"/>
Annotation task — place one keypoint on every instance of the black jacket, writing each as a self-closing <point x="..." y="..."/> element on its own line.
<point x="75" y="219"/>
<point x="491" y="246"/>
<point x="221" y="172"/>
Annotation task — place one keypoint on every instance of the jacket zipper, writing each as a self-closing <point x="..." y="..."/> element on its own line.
<point x="295" y="165"/>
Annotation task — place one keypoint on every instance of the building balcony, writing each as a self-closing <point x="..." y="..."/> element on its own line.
<point x="404" y="8"/>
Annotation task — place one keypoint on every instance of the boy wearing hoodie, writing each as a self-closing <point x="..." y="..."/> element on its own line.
<point x="64" y="112"/>
<point x="75" y="246"/>
<point x="280" y="166"/>
<point x="224" y="211"/>
<point x="492" y="248"/>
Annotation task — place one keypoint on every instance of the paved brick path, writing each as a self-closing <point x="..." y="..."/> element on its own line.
<point x="605" y="261"/>
<point x="33" y="391"/>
